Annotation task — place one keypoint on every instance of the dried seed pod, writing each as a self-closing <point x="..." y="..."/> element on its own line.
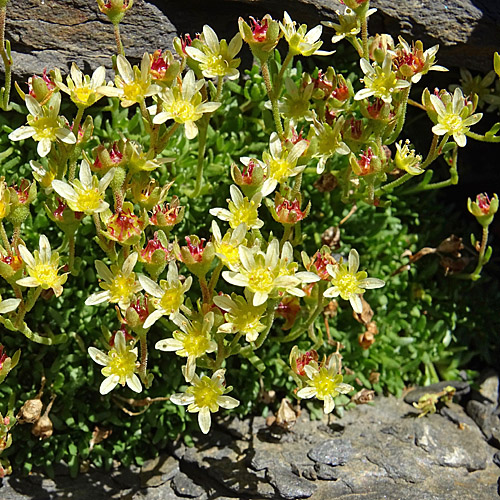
<point x="43" y="428"/>
<point x="30" y="411"/>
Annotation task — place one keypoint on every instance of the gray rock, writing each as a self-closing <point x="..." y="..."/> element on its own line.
<point x="488" y="386"/>
<point x="331" y="452"/>
<point x="483" y="415"/>
<point x="158" y="471"/>
<point x="496" y="458"/>
<point x="289" y="485"/>
<point x="184" y="486"/>
<point x="54" y="33"/>
<point x="326" y="472"/>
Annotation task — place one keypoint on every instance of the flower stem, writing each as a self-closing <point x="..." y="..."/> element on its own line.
<point x="401" y="116"/>
<point x="483" y="138"/>
<point x="284" y="66"/>
<point x="74" y="156"/>
<point x="364" y="36"/>
<point x="274" y="102"/>
<point x="118" y="38"/>
<point x="214" y="279"/>
<point x="7" y="61"/>
<point x="202" y="142"/>
<point x="144" y="360"/>
<point x="5" y="239"/>
<point x="271" y="308"/>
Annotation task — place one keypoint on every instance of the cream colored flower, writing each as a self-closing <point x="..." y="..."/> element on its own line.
<point x="217" y="59"/>
<point x="324" y="383"/>
<point x="241" y="210"/>
<point x="205" y="396"/>
<point x="44" y="125"/>
<point x="120" y="365"/>
<point x="168" y="296"/>
<point x="281" y="162"/>
<point x="8" y="305"/>
<point x="81" y="88"/>
<point x="133" y="85"/>
<point x="183" y="104"/>
<point x="87" y="194"/>
<point x="349" y="283"/>
<point x="119" y="285"/>
<point x="226" y="248"/>
<point x="42" y="268"/>
<point x="452" y="118"/>
<point x="193" y="341"/>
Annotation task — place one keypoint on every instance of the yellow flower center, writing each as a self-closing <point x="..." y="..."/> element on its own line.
<point x="196" y="344"/>
<point x="171" y="300"/>
<point x="347" y="283"/>
<point x="279" y="170"/>
<point x="45" y="274"/>
<point x="383" y="84"/>
<point x="122" y="287"/>
<point x="45" y="128"/>
<point x="3" y="209"/>
<point x="324" y="384"/>
<point x="246" y="212"/>
<point x="229" y="253"/>
<point x="82" y="94"/>
<point x="452" y="122"/>
<point x="261" y="280"/>
<point x="133" y="91"/>
<point x="122" y="364"/>
<point x="206" y="392"/>
<point x="216" y="64"/>
<point x="88" y="200"/>
<point x="183" y="111"/>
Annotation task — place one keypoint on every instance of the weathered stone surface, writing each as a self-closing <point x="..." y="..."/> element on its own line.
<point x="53" y="33"/>
<point x="386" y="453"/>
<point x="158" y="471"/>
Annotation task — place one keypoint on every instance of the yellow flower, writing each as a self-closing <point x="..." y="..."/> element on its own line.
<point x="85" y="195"/>
<point x="119" y="364"/>
<point x="281" y="162"/>
<point x="83" y="89"/>
<point x="241" y="316"/>
<point x="119" y="285"/>
<point x="205" y="396"/>
<point x="262" y="273"/>
<point x="380" y="81"/>
<point x="406" y="159"/>
<point x="216" y="59"/>
<point x="42" y="268"/>
<point x="133" y="85"/>
<point x="4" y="199"/>
<point x="241" y="210"/>
<point x="300" y="40"/>
<point x="183" y="104"/>
<point x="168" y="296"/>
<point x="327" y="141"/>
<point x="193" y="341"/>
<point x="324" y="383"/>
<point x="454" y="119"/>
<point x="44" y="125"/>
<point x="349" y="283"/>
<point x="349" y="25"/>
<point x="226" y="248"/>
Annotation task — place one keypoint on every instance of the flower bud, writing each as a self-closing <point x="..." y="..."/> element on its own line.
<point x="287" y="212"/>
<point x="114" y="9"/>
<point x="299" y="361"/>
<point x="167" y="215"/>
<point x="251" y="178"/>
<point x="164" y="68"/>
<point x="124" y="226"/>
<point x="155" y="254"/>
<point x="483" y="209"/>
<point x="195" y="255"/>
<point x="20" y="199"/>
<point x="262" y="37"/>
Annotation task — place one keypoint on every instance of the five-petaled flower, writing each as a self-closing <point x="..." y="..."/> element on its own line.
<point x="42" y="268"/>
<point x="453" y="118"/>
<point x="192" y="341"/>
<point x="183" y="104"/>
<point x="44" y="125"/>
<point x="87" y="194"/>
<point x="205" y="396"/>
<point x="349" y="283"/>
<point x="119" y="285"/>
<point x="324" y="383"/>
<point x="217" y="59"/>
<point x="168" y="296"/>
<point x="119" y="364"/>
